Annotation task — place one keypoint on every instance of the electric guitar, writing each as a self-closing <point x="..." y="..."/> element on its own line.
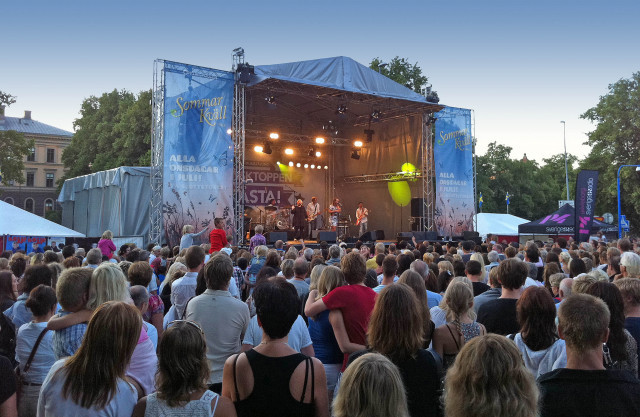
<point x="362" y="216"/>
<point x="312" y="217"/>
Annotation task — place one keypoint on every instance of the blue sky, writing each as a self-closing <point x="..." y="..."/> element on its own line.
<point x="522" y="66"/>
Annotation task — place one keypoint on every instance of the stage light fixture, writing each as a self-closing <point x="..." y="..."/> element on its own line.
<point x="298" y="165"/>
<point x="306" y="165"/>
<point x="313" y="166"/>
<point x="342" y="109"/>
<point x="318" y="154"/>
<point x="326" y="167"/>
<point x="357" y="144"/>
<point x="258" y="148"/>
<point x="311" y="151"/>
<point x="431" y="120"/>
<point x="274" y="135"/>
<point x="270" y="99"/>
<point x="266" y="148"/>
<point x="376" y="115"/>
<point x="319" y="140"/>
<point x="290" y="163"/>
<point x="229" y="131"/>
<point x="355" y="155"/>
<point x="368" y="133"/>
<point x="319" y="167"/>
<point x="288" y="151"/>
<point x="278" y="163"/>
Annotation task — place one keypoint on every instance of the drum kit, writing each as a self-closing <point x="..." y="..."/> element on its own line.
<point x="275" y="219"/>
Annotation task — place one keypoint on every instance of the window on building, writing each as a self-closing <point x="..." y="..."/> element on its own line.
<point x="28" y="205"/>
<point x="9" y="200"/>
<point x="31" y="179"/>
<point x="50" y="179"/>
<point x="48" y="205"/>
<point x="51" y="155"/>
<point x="32" y="156"/>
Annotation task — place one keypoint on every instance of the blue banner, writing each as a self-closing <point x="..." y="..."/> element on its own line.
<point x="198" y="149"/>
<point x="586" y="187"/>
<point x="453" y="157"/>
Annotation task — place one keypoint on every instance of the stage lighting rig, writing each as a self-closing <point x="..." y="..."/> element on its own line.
<point x="368" y="133"/>
<point x="274" y="135"/>
<point x="319" y="140"/>
<point x="245" y="72"/>
<point x="342" y="109"/>
<point x="266" y="148"/>
<point x="357" y="144"/>
<point x="431" y="120"/>
<point x="318" y="154"/>
<point x="311" y="151"/>
<point x="376" y="115"/>
<point x="355" y="155"/>
<point x="288" y="151"/>
<point x="270" y="99"/>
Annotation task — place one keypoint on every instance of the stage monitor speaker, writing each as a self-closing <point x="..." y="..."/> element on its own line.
<point x="470" y="235"/>
<point x="379" y="234"/>
<point x="275" y="236"/>
<point x="404" y="236"/>
<point x="420" y="236"/>
<point x="369" y="236"/>
<point x="416" y="207"/>
<point x="431" y="236"/>
<point x="329" y="237"/>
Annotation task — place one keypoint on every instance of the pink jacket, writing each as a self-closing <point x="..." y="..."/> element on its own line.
<point x="107" y="247"/>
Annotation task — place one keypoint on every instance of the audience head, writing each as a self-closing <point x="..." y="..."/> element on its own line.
<point x="582" y="282"/>
<point x="330" y="278"/>
<point x="34" y="276"/>
<point x="415" y="281"/>
<point x="334" y="251"/>
<point x="353" y="268"/>
<point x="576" y="267"/>
<point x="50" y="256"/>
<point x="8" y="286"/>
<point x="68" y="251"/>
<point x="72" y="290"/>
<point x="473" y="268"/>
<point x="108" y="283"/>
<point x="194" y="258"/>
<point x="512" y="274"/>
<point x="94" y="257"/>
<point x="140" y="273"/>
<point x="140" y="297"/>
<point x="389" y="266"/>
<point x="277" y="307"/>
<point x="218" y="272"/>
<point x="630" y="265"/>
<point x="404" y="262"/>
<point x="287" y="268"/>
<point x="300" y="268"/>
<point x="42" y="301"/>
<point x="536" y="314"/>
<point x="610" y="294"/>
<point x="565" y="288"/>
<point x="630" y="291"/>
<point x="489" y="378"/>
<point x="314" y="277"/>
<point x="458" y="300"/>
<point x="583" y="323"/>
<point x="371" y="386"/>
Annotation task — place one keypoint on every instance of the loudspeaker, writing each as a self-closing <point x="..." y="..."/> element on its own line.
<point x="379" y="234"/>
<point x="369" y="236"/>
<point x="404" y="236"/>
<point x="431" y="236"/>
<point x="329" y="237"/>
<point x="420" y="236"/>
<point x="274" y="236"/>
<point x="416" y="207"/>
<point x="469" y="235"/>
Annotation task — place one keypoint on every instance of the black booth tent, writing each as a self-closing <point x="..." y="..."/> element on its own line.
<point x="561" y="222"/>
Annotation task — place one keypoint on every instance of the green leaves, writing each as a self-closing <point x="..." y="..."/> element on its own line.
<point x="13" y="149"/>
<point x="403" y="72"/>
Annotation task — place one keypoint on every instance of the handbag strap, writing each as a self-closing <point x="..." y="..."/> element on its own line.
<point x="33" y="351"/>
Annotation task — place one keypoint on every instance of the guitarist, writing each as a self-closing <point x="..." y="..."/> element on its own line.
<point x="313" y="211"/>
<point x="361" y="218"/>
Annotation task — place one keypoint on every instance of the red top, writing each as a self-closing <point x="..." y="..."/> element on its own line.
<point x="218" y="240"/>
<point x="356" y="303"/>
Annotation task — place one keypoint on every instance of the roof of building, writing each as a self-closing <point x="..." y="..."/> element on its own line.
<point x="32" y="126"/>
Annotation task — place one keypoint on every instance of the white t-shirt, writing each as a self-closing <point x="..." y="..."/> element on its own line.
<point x="298" y="335"/>
<point x="53" y="404"/>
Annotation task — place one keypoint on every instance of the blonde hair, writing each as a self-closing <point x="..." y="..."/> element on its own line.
<point x="292" y="253"/>
<point x="315" y="276"/>
<point x="489" y="378"/>
<point x="261" y="250"/>
<point x="443" y="304"/>
<point x="630" y="290"/>
<point x="396" y="327"/>
<point x="459" y="301"/>
<point x="427" y="257"/>
<point x="287" y="268"/>
<point x="108" y="283"/>
<point x="173" y="269"/>
<point x="187" y="228"/>
<point x="444" y="266"/>
<point x="330" y="278"/>
<point x="371" y="387"/>
<point x="581" y="283"/>
<point x="479" y="258"/>
<point x="107" y="234"/>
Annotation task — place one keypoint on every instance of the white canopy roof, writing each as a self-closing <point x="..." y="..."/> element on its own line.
<point x="18" y="222"/>
<point x="499" y="224"/>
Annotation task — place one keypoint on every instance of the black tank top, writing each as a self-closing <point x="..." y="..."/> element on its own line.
<point x="271" y="395"/>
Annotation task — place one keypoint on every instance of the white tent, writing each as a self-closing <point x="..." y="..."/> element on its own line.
<point x="17" y="222"/>
<point x="499" y="224"/>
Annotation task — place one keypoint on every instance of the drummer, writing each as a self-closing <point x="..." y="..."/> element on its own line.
<point x="272" y="206"/>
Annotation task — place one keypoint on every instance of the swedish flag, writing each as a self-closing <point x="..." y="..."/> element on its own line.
<point x="480" y="201"/>
<point x="507" y="198"/>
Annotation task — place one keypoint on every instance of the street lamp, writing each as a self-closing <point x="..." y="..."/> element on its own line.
<point x="619" y="201"/>
<point x="566" y="166"/>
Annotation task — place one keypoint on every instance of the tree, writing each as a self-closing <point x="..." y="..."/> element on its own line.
<point x="113" y="130"/>
<point x="615" y="142"/>
<point x="403" y="72"/>
<point x="14" y="147"/>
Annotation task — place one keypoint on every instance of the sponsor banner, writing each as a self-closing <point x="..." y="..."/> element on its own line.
<point x="453" y="157"/>
<point x="24" y="243"/>
<point x="585" y="203"/>
<point x="198" y="149"/>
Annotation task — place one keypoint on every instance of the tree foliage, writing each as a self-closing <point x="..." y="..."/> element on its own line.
<point x="614" y="142"/>
<point x="14" y="147"/>
<point x="113" y="130"/>
<point x="403" y="72"/>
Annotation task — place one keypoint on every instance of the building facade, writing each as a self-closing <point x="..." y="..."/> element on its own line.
<point x="42" y="168"/>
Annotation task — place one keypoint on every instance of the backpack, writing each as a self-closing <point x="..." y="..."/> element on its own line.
<point x="7" y="338"/>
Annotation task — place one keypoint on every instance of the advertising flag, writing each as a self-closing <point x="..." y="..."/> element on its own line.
<point x="480" y="201"/>
<point x="586" y="187"/>
<point x="198" y="149"/>
<point x="453" y="158"/>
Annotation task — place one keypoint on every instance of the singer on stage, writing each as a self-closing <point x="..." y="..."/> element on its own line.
<point x="299" y="219"/>
<point x="334" y="211"/>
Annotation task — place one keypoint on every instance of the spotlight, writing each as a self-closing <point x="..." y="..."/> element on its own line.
<point x="288" y="151"/>
<point x="318" y="154"/>
<point x="325" y="167"/>
<point x="290" y="163"/>
<point x="319" y="167"/>
<point x="342" y="109"/>
<point x="376" y="115"/>
<point x="258" y="148"/>
<point x="313" y="166"/>
<point x="270" y="99"/>
<point x="306" y="165"/>
<point x="431" y="120"/>
<point x="357" y="144"/>
<point x="274" y="135"/>
<point x="298" y="165"/>
<point x="267" y="148"/>
<point x="355" y="155"/>
<point x="319" y="140"/>
<point x="278" y="163"/>
<point x="369" y="134"/>
<point x="229" y="131"/>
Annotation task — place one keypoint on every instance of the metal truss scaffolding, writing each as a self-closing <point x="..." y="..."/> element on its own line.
<point x="238" y="136"/>
<point x="428" y="169"/>
<point x="157" y="152"/>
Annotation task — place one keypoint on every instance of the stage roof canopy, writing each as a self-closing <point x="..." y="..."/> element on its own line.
<point x="17" y="222"/>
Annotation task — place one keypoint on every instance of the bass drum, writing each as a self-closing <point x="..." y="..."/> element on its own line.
<point x="282" y="224"/>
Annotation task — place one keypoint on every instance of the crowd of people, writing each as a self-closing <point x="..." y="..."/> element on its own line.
<point x="409" y="329"/>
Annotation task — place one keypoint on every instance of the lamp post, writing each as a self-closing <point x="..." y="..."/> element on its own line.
<point x="619" y="201"/>
<point x="566" y="166"/>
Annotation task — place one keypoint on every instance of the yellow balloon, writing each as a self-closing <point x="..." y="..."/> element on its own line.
<point x="400" y="192"/>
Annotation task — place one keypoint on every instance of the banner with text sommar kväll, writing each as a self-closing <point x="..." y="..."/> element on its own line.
<point x="198" y="150"/>
<point x="453" y="157"/>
